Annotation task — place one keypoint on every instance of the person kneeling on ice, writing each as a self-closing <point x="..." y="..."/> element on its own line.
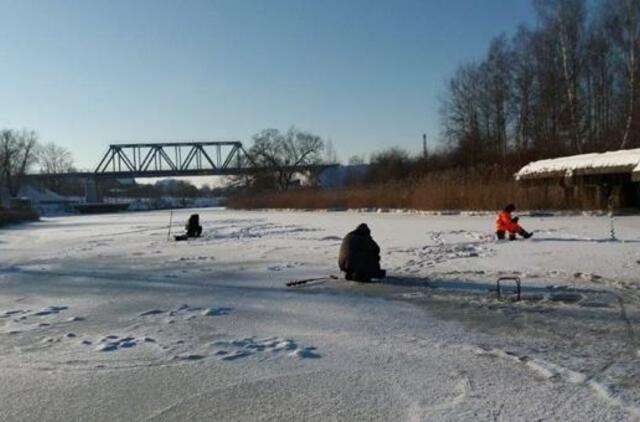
<point x="360" y="256"/>
<point x="506" y="223"/>
<point x="193" y="228"/>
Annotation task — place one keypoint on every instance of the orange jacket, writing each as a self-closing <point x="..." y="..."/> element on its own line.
<point x="505" y="223"/>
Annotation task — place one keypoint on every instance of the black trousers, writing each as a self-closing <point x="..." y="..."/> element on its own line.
<point x="194" y="231"/>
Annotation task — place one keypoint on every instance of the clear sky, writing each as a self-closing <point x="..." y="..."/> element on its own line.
<point x="365" y="74"/>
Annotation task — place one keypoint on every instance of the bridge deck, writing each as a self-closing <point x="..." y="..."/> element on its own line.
<point x="175" y="173"/>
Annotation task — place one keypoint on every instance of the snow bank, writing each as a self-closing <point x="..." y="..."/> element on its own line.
<point x="598" y="163"/>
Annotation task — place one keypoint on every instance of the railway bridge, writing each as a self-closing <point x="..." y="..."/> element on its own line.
<point x="171" y="159"/>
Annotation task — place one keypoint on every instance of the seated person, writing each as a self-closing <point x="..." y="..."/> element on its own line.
<point x="194" y="229"/>
<point x="506" y="223"/>
<point x="360" y="256"/>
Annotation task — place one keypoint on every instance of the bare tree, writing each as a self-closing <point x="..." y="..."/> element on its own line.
<point x="565" y="20"/>
<point x="461" y="113"/>
<point x="330" y="155"/>
<point x="281" y="153"/>
<point x="356" y="160"/>
<point x="624" y="31"/>
<point x="571" y="85"/>
<point x="599" y="88"/>
<point x="522" y="96"/>
<point x="17" y="155"/>
<point x="54" y="159"/>
<point x="498" y="88"/>
<point x="389" y="165"/>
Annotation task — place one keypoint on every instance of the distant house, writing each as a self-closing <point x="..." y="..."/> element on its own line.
<point x="608" y="179"/>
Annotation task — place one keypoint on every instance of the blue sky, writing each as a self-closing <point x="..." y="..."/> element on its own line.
<point x="365" y="74"/>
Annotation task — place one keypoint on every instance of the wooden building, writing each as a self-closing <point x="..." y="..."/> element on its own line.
<point x="609" y="179"/>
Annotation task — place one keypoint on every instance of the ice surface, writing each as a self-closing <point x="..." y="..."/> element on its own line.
<point x="102" y="318"/>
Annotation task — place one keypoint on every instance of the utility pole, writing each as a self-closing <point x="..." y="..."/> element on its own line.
<point x="424" y="146"/>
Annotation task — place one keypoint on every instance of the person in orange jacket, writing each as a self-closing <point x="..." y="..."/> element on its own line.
<point x="506" y="223"/>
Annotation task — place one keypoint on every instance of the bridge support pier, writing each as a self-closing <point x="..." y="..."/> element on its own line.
<point x="91" y="192"/>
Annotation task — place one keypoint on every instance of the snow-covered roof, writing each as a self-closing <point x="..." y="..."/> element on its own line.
<point x="38" y="196"/>
<point x="622" y="161"/>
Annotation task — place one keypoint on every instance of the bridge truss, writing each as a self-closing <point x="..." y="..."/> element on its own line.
<point x="174" y="159"/>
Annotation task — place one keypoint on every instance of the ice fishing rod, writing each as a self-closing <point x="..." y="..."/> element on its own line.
<point x="295" y="283"/>
<point x="170" y="223"/>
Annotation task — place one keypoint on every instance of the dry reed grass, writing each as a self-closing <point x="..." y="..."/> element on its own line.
<point x="446" y="190"/>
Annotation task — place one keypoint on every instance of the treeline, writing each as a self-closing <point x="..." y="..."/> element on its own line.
<point x="20" y="152"/>
<point x="175" y="188"/>
<point x="569" y="85"/>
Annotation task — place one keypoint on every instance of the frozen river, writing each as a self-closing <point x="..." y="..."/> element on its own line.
<point x="103" y="318"/>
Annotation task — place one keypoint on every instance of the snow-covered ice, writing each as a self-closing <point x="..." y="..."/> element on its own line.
<point x="103" y="318"/>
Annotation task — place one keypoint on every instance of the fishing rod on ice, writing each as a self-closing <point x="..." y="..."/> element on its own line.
<point x="170" y="223"/>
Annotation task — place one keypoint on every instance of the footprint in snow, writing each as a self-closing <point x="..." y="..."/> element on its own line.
<point x="152" y="312"/>
<point x="112" y="343"/>
<point x="216" y="311"/>
<point x="241" y="348"/>
<point x="306" y="353"/>
<point x="235" y="355"/>
<point x="283" y="267"/>
<point x="189" y="312"/>
<point x="49" y="310"/>
<point x="188" y="357"/>
<point x="75" y="319"/>
<point x="7" y="314"/>
<point x="336" y="238"/>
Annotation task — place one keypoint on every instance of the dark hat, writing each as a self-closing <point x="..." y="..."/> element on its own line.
<point x="363" y="228"/>
<point x="510" y="208"/>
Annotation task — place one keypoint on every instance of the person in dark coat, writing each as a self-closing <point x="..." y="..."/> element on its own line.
<point x="194" y="229"/>
<point x="360" y="256"/>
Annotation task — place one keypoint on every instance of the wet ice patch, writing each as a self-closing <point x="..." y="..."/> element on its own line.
<point x="566" y="297"/>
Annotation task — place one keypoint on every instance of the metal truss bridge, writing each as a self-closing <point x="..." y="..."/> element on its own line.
<point x="172" y="159"/>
